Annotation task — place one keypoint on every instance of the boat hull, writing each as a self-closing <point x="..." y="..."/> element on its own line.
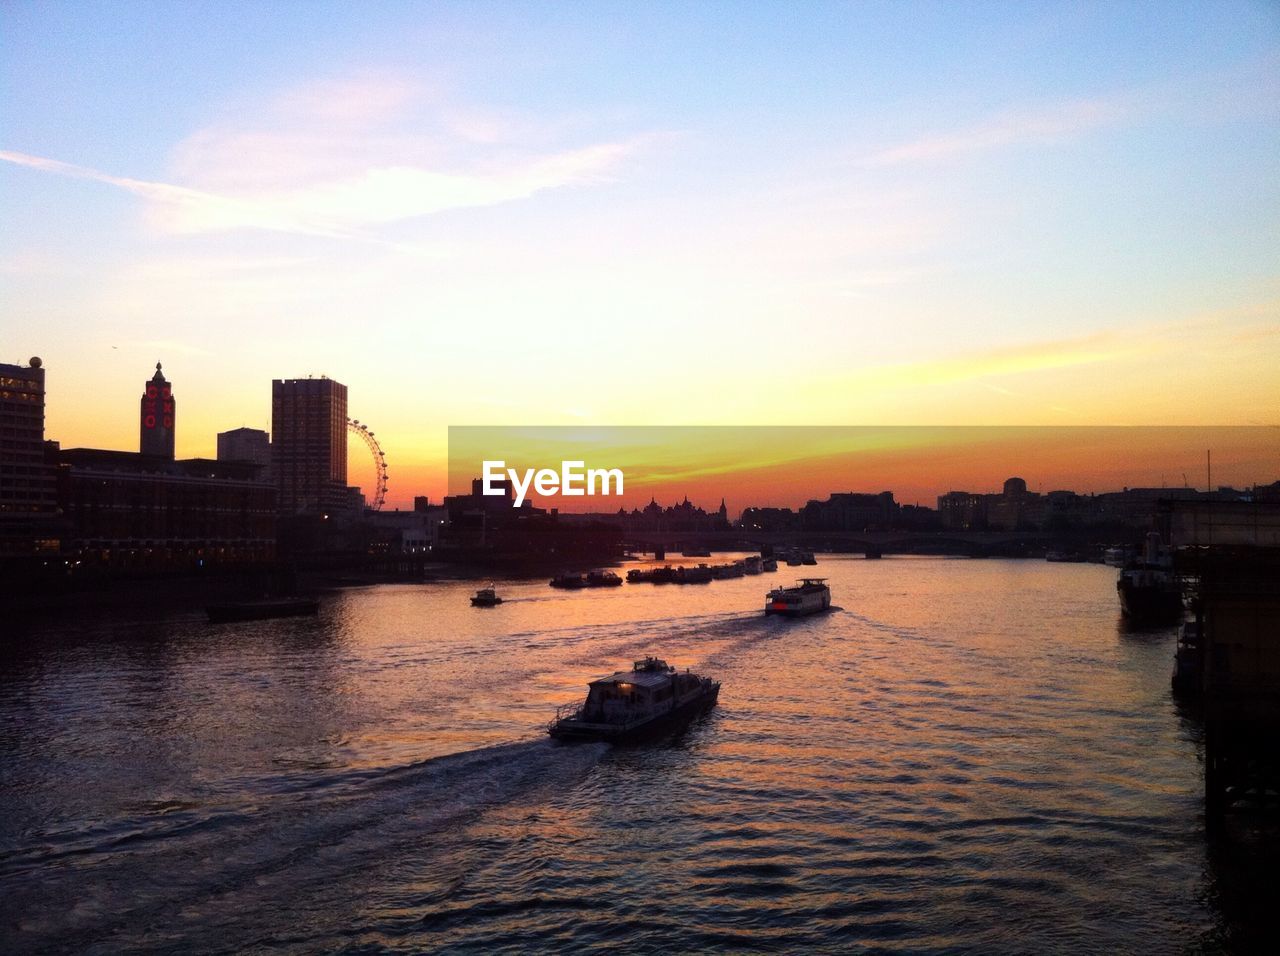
<point x="1149" y="605"/>
<point x="660" y="725"/>
<point x="796" y="611"/>
<point x="259" y="610"/>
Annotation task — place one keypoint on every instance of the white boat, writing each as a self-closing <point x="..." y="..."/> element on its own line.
<point x="651" y="699"/>
<point x="808" y="596"/>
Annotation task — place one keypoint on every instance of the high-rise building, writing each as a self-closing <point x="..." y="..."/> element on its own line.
<point x="156" y="418"/>
<point x="28" y="494"/>
<point x="309" y="445"/>
<point x="246" y="444"/>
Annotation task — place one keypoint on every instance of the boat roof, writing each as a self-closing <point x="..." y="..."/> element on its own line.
<point x="642" y="678"/>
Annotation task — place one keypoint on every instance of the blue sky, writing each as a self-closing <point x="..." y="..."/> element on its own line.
<point x="851" y="213"/>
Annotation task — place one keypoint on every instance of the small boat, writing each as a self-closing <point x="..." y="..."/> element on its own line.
<point x="1064" y="557"/>
<point x="806" y="557"/>
<point x="265" y="608"/>
<point x="793" y="558"/>
<point x="486" y="597"/>
<point x="569" y="582"/>
<point x="751" y="565"/>
<point x="769" y="564"/>
<point x="650" y="700"/>
<point x="663" y="575"/>
<point x="1187" y="660"/>
<point x="699" y="575"/>
<point x="809" y="596"/>
<point x="725" y="571"/>
<point x="602" y="579"/>
<point x="1118" y="557"/>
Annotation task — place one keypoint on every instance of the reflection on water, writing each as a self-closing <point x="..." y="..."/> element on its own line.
<point x="968" y="753"/>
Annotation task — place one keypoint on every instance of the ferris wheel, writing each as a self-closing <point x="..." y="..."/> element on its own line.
<point x="379" y="497"/>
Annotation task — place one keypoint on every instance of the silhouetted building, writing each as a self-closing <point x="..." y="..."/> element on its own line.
<point x="28" y="499"/>
<point x="1015" y="508"/>
<point x="848" y="511"/>
<point x="682" y="516"/>
<point x="309" y="445"/>
<point x="962" y="511"/>
<point x="129" y="510"/>
<point x="246" y="444"/>
<point x="1136" y="506"/>
<point x="156" y="417"/>
<point x="769" y="519"/>
<point x="407" y="532"/>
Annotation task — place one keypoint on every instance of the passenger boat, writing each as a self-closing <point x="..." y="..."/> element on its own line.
<point x="265" y="608"/>
<point x="486" y="597"/>
<point x="650" y="700"/>
<point x="1148" y="589"/>
<point x="809" y="596"/>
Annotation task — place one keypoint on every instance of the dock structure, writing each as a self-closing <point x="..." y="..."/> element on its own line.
<point x="1229" y="555"/>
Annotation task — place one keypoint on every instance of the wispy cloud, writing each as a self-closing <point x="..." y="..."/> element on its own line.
<point x="334" y="160"/>
<point x="1044" y="125"/>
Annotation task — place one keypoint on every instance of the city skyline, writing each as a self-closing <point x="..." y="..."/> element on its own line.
<point x="777" y="466"/>
<point x="883" y="214"/>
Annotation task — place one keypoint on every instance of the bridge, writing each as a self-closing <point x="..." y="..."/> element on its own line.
<point x="884" y="542"/>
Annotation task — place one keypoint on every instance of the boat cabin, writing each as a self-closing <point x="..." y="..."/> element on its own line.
<point x="626" y="695"/>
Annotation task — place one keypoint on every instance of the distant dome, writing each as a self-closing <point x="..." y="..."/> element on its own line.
<point x="35" y="361"/>
<point x="1015" y="486"/>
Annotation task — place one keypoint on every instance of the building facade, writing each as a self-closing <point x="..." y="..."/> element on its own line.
<point x="246" y="444"/>
<point x="850" y="511"/>
<point x="309" y="445"/>
<point x="28" y="494"/>
<point x="157" y="417"/>
<point x="132" y="511"/>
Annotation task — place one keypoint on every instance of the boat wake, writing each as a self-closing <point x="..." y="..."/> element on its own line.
<point x="285" y="841"/>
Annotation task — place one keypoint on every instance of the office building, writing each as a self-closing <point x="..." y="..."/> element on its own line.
<point x="246" y="444"/>
<point x="28" y="498"/>
<point x="309" y="445"/>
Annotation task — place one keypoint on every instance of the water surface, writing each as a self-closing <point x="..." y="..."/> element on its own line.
<point x="967" y="754"/>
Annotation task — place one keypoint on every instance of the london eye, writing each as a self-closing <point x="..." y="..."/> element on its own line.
<point x="379" y="497"/>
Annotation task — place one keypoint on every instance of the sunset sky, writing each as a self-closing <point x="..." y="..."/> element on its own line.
<point x="619" y="214"/>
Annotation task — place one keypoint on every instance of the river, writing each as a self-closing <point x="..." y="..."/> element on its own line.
<point x="965" y="754"/>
